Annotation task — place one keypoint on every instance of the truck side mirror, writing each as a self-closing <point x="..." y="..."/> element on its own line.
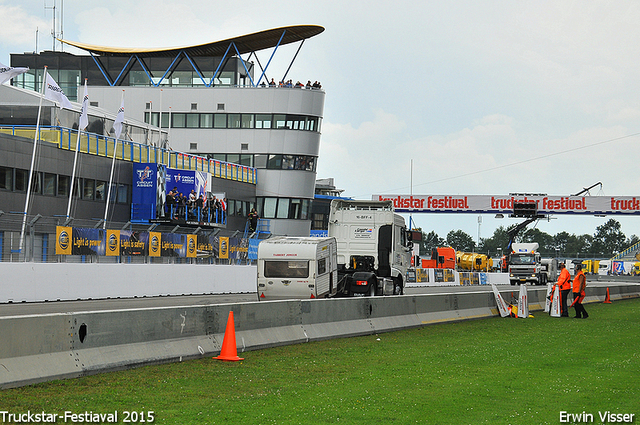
<point x="440" y="259"/>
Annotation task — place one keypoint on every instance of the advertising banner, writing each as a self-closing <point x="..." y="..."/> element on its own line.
<point x="206" y="245"/>
<point x="113" y="243"/>
<point x="192" y="243"/>
<point x="224" y="248"/>
<point x="491" y="204"/>
<point x="91" y="241"/>
<point x="88" y="241"/>
<point x="173" y="245"/>
<point x="133" y="242"/>
<point x="144" y="192"/>
<point x="155" y="239"/>
<point x="63" y="240"/>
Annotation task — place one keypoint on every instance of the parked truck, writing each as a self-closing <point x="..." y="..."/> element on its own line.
<point x="441" y="258"/>
<point x="525" y="264"/>
<point x="374" y="247"/>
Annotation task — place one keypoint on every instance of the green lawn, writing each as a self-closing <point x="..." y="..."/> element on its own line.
<point x="489" y="371"/>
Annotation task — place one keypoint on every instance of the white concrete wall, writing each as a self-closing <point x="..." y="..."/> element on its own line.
<point x="62" y="281"/>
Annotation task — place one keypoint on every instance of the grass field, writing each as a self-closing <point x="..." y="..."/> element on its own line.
<point x="489" y="371"/>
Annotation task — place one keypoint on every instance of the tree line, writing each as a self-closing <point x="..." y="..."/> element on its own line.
<point x="607" y="240"/>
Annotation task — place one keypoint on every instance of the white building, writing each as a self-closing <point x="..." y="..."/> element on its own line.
<point x="214" y="103"/>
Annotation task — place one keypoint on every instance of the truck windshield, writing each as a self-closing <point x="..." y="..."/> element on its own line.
<point x="289" y="269"/>
<point x="522" y="259"/>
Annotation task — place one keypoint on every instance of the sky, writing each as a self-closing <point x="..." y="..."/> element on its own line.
<point x="430" y="97"/>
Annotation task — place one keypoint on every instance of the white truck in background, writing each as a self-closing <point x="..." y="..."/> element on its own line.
<point x="374" y="247"/>
<point x="297" y="267"/>
<point x="525" y="264"/>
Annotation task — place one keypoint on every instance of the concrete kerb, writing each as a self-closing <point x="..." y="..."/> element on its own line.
<point x="57" y="346"/>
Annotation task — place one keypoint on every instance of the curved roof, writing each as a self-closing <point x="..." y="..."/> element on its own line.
<point x="245" y="43"/>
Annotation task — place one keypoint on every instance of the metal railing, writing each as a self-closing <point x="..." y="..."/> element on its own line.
<point x="126" y="150"/>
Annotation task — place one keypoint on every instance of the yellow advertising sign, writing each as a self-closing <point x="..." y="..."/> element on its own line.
<point x="192" y="243"/>
<point x="63" y="240"/>
<point x="113" y="243"/>
<point x="224" y="248"/>
<point x="155" y="240"/>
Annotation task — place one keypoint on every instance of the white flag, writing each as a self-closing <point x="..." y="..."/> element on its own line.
<point x="8" y="72"/>
<point x="83" y="122"/>
<point x="52" y="91"/>
<point x="117" y="125"/>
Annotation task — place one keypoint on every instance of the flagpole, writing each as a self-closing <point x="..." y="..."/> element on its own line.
<point x="75" y="159"/>
<point x="113" y="163"/>
<point x="33" y="158"/>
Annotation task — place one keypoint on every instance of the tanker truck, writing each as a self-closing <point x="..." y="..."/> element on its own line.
<point x="473" y="261"/>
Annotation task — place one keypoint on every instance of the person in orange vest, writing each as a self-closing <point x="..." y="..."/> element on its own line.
<point x="579" y="284"/>
<point x="564" y="284"/>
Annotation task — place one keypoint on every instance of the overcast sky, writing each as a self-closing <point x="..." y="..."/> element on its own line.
<point x="486" y="97"/>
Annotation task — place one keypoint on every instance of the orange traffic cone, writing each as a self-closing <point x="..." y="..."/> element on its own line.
<point x="607" y="300"/>
<point x="229" y="352"/>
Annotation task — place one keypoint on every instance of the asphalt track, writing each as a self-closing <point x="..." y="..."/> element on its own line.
<point x="55" y="307"/>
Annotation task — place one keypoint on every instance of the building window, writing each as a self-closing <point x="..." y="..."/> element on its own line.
<point x="247" y="120"/>
<point x="275" y="162"/>
<point x="263" y="120"/>
<point x="279" y="121"/>
<point x="193" y="146"/>
<point x="220" y="106"/>
<point x="63" y="185"/>
<point x="49" y="184"/>
<point x="318" y="222"/>
<point x="220" y="121"/>
<point x="244" y="146"/>
<point x="123" y="194"/>
<point x="21" y="180"/>
<point x="233" y="121"/>
<point x="6" y="178"/>
<point x="260" y="161"/>
<point x="88" y="188"/>
<point x="269" y="209"/>
<point x="101" y="186"/>
<point x="193" y="120"/>
<point x="194" y="106"/>
<point x="206" y="120"/>
<point x="179" y="120"/>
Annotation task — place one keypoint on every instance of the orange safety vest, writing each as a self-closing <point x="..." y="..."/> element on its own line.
<point x="576" y="283"/>
<point x="564" y="281"/>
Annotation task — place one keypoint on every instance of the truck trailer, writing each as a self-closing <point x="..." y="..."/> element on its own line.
<point x="297" y="267"/>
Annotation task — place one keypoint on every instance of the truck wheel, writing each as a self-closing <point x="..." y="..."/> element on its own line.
<point x="397" y="287"/>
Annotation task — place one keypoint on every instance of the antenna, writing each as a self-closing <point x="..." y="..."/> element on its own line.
<point x="54" y="33"/>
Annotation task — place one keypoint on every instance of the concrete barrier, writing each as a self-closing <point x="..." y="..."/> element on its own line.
<point x="36" y="282"/>
<point x="46" y="347"/>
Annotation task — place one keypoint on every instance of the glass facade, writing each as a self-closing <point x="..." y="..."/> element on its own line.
<point x="70" y="70"/>
<point x="250" y="121"/>
<point x="48" y="184"/>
